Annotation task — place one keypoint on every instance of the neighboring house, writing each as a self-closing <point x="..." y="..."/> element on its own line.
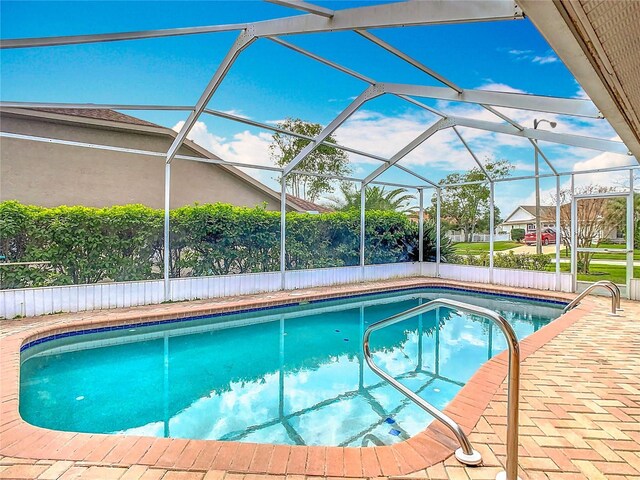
<point x="51" y="174"/>
<point x="307" y="206"/>
<point x="524" y="217"/>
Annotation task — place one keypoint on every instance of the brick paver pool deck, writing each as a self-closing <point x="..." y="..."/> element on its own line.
<point x="579" y="412"/>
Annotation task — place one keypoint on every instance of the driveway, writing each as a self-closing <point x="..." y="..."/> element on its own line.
<point x="532" y="249"/>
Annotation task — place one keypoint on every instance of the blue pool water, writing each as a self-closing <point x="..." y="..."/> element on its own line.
<point x="290" y="375"/>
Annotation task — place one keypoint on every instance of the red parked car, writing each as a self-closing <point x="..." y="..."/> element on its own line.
<point x="548" y="236"/>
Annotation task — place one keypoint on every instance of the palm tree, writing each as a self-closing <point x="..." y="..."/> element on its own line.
<point x="376" y="198"/>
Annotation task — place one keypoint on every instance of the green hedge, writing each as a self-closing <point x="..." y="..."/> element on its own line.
<point x="525" y="261"/>
<point x="89" y="245"/>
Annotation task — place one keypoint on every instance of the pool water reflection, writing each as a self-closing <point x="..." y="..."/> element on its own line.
<point x="293" y="375"/>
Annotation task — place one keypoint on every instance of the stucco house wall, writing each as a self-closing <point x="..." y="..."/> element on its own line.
<point x="49" y="174"/>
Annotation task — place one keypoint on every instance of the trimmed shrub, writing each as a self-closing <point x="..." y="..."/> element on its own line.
<point x="517" y="234"/>
<point x="526" y="261"/>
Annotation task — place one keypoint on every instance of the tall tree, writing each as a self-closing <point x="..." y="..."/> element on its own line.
<point x="324" y="159"/>
<point x="375" y="198"/>
<point x="464" y="207"/>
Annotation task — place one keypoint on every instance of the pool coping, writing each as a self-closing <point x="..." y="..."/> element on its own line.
<point x="432" y="445"/>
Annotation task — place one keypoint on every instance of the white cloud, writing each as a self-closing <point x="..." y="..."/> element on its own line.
<point x="547" y="195"/>
<point x="603" y="160"/>
<point x="243" y="147"/>
<point x="237" y="113"/>
<point x="520" y="52"/>
<point x="542" y="60"/>
<point x="386" y="135"/>
<point x="500" y="87"/>
<point x="275" y="122"/>
<point x="531" y="56"/>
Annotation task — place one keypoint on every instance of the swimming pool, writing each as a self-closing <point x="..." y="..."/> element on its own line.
<point x="286" y="375"/>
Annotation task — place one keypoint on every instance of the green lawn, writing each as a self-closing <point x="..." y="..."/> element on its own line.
<point x="615" y="273"/>
<point x="606" y="256"/>
<point x="477" y="248"/>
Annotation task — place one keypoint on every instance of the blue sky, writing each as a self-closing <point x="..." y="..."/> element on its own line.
<point x="269" y="82"/>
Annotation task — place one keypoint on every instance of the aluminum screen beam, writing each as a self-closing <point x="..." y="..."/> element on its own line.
<point x="370" y="93"/>
<point x="399" y="14"/>
<point x="544" y="157"/>
<point x="405" y="57"/>
<point x="503" y="116"/>
<point x="475" y="158"/>
<point x="558" y="235"/>
<point x="283" y="232"/>
<point x="571" y="140"/>
<point x="492" y="222"/>
<point x="266" y="126"/>
<point x="368" y="80"/>
<point x="420" y="66"/>
<point x="225" y="115"/>
<point x="545" y="136"/>
<point x="305" y="7"/>
<point x="557" y="105"/>
<point x="421" y="177"/>
<point x="438" y="231"/>
<point x="378" y="16"/>
<point x="350" y="72"/>
<point x="213" y="161"/>
<point x="423" y="106"/>
<point x="623" y="168"/>
<point x="410" y="60"/>
<point x="433" y="74"/>
<point x="356" y="180"/>
<point x="415" y="143"/>
<point x="323" y="60"/>
<point x="216" y="113"/>
<point x="421" y="225"/>
<point x="363" y="203"/>
<point x="115" y="37"/>
<point x="166" y="261"/>
<point x="243" y="41"/>
<point x="17" y="136"/>
<point x="134" y="151"/>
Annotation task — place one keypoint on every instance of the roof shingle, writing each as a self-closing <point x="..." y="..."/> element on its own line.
<point x="308" y="206"/>
<point x="98" y="114"/>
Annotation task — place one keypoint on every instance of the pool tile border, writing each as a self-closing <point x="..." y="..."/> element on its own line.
<point x="435" y="444"/>
<point x="73" y="333"/>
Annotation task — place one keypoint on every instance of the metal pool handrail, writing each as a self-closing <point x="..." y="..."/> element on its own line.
<point x="609" y="285"/>
<point x="465" y="454"/>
